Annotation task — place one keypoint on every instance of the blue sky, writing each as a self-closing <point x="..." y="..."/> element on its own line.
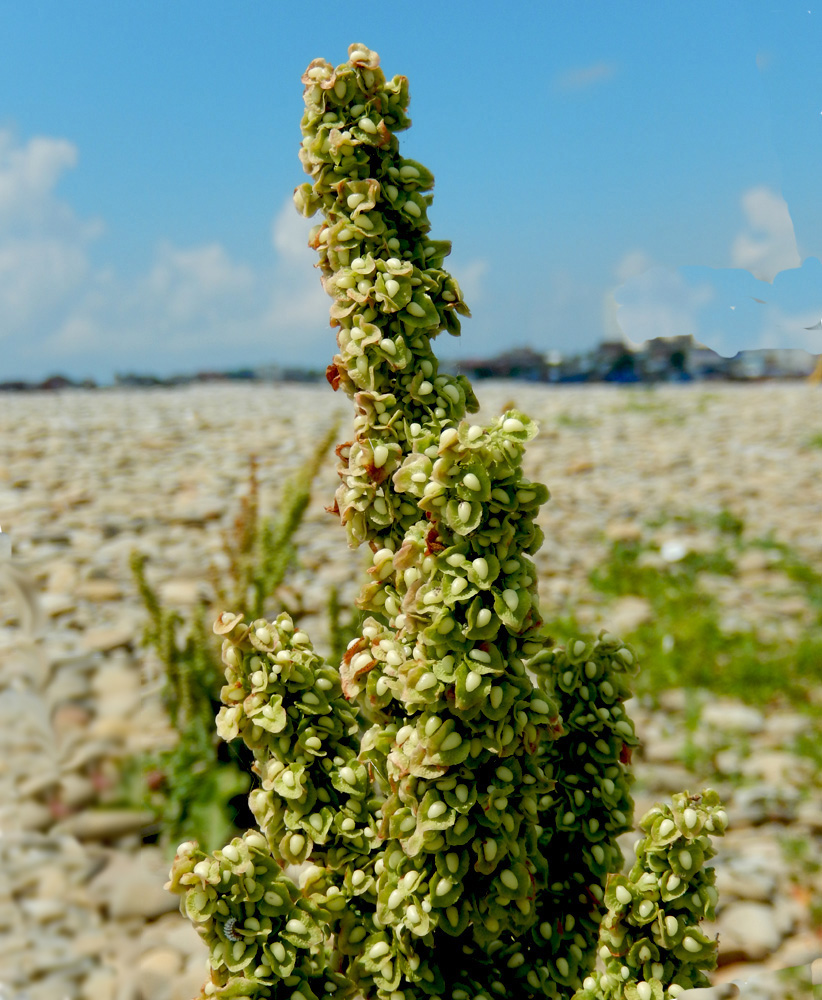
<point x="604" y="169"/>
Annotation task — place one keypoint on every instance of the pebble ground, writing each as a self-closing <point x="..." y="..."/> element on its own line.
<point x="88" y="477"/>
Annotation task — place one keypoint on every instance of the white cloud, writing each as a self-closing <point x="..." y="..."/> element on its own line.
<point x="190" y="307"/>
<point x="583" y="77"/>
<point x="28" y="175"/>
<point x="768" y="244"/>
<point x="470" y="275"/>
<point x="632" y="264"/>
<point x="36" y="275"/>
<point x="43" y="245"/>
<point x="289" y="234"/>
<point x="186" y="285"/>
<point x="660" y="303"/>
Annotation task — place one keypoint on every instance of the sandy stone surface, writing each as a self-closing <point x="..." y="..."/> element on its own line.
<point x="88" y="477"/>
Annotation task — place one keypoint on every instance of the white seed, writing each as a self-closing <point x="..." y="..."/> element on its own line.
<point x="452" y="392"/>
<point x="394" y="899"/>
<point x="358" y="877"/>
<point x="480" y="566"/>
<point x="417" y="310"/>
<point x="452" y="860"/>
<point x="392" y="286"/>
<point x="296" y="843"/>
<point x="690" y="818"/>
<point x="538" y="705"/>
<point x="509" y="879"/>
<point x="451" y="742"/>
<point x="428" y="680"/>
<point x="348" y="775"/>
<point x="623" y="895"/>
<point x="562" y="966"/>
<point x="413" y="208"/>
<point x="425" y="387"/>
<point x="464" y="510"/>
<point x="666" y="827"/>
<point x="448" y="437"/>
<point x="685" y="859"/>
<point x="437" y="809"/>
<point x="295" y="926"/>
<point x="472" y="681"/>
<point x="691" y="944"/>
<point x="409" y="172"/>
<point x="432" y="725"/>
<point x="671" y="925"/>
<point x="378" y="950"/>
<point x="444" y="886"/>
<point x="403" y="733"/>
<point x="367" y="126"/>
<point x="483" y="617"/>
<point x="263" y="635"/>
<point x="458" y="584"/>
<point x="644" y="990"/>
<point x="511" y="599"/>
<point x="380" y="456"/>
<point x="511" y="425"/>
<point x="645" y="907"/>
<point x="471" y="482"/>
<point x="407" y="824"/>
<point x="495" y="697"/>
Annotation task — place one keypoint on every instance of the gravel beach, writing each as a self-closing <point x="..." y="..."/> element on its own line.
<point x="88" y="477"/>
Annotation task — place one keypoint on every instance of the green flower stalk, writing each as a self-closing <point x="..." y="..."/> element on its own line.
<point x="650" y="940"/>
<point x="455" y="787"/>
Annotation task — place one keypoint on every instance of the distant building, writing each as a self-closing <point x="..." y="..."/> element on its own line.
<point x="521" y="362"/>
<point x="772" y="363"/>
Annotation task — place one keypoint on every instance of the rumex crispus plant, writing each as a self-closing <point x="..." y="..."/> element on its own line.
<point x="455" y="787"/>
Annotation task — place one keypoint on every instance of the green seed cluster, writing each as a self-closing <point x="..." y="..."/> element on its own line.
<point x="455" y="787"/>
<point x="391" y="293"/>
<point x="264" y="938"/>
<point x="650" y="941"/>
<point x="441" y="664"/>
<point x="590" y="807"/>
<point x="286" y="704"/>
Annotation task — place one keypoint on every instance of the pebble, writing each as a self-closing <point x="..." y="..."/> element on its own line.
<point x="165" y="476"/>
<point x="109" y="637"/>
<point x="105" y="824"/>
<point x="748" y="931"/>
<point x="727" y="715"/>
